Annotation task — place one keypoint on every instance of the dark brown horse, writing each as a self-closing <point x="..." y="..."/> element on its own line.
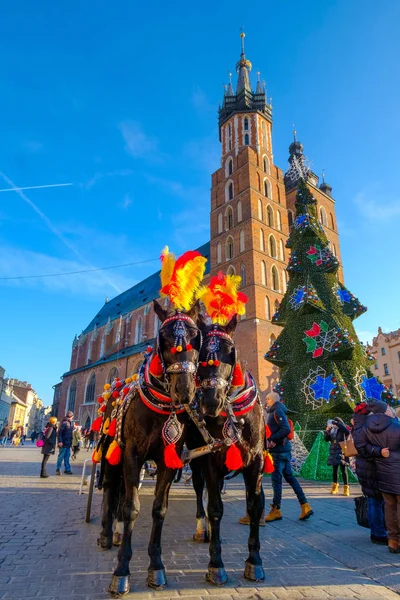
<point x="231" y="415"/>
<point x="142" y="435"/>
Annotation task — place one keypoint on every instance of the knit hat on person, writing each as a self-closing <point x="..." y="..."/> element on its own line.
<point x="274" y="396"/>
<point x="53" y="420"/>
<point x="377" y="407"/>
<point x="362" y="408"/>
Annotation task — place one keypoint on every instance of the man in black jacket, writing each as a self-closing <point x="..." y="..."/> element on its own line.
<point x="64" y="443"/>
<point x="278" y="429"/>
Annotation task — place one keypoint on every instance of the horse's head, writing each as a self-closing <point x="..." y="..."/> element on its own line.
<point x="217" y="361"/>
<point x="179" y="343"/>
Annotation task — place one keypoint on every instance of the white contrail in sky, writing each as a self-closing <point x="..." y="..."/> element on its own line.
<point x="54" y="229"/>
<point x="36" y="187"/>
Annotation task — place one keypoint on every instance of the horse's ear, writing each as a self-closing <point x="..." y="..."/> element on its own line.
<point x="194" y="312"/>
<point x="201" y="323"/>
<point x="231" y="326"/>
<point x="160" y="311"/>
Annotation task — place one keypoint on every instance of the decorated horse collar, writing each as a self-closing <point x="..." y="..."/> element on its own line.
<point x="152" y="396"/>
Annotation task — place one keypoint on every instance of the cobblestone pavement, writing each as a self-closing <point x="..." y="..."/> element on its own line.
<point x="47" y="551"/>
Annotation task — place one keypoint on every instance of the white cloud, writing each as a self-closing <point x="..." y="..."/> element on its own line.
<point x="365" y="336"/>
<point x="137" y="143"/>
<point x="126" y="202"/>
<point x="375" y="208"/>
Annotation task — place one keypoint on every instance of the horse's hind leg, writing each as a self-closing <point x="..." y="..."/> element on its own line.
<point x="255" y="506"/>
<point x="156" y="578"/>
<point x="201" y="534"/>
<point x="131" y="466"/>
<point x="111" y="496"/>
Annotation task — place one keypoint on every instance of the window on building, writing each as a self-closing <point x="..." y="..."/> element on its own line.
<point x="260" y="210"/>
<point x="228" y="191"/>
<point x="139" y="330"/>
<point x="385" y="369"/>
<point x="264" y="134"/>
<point x="229" y="167"/>
<point x="231" y="270"/>
<point x="332" y="222"/>
<point x="275" y="279"/>
<point x="290" y="219"/>
<point x="383" y="351"/>
<point x="272" y="246"/>
<point x="112" y="375"/>
<point x="90" y="389"/>
<point x="322" y="216"/>
<point x="239" y="211"/>
<point x="283" y="280"/>
<point x="267" y="309"/>
<point x="229" y="248"/>
<point x="219" y="253"/>
<point x="376" y="366"/>
<point x="262" y="241"/>
<point x="281" y="250"/>
<point x="241" y="241"/>
<point x="229" y="218"/>
<point x="246" y="139"/>
<point x="243" y="274"/>
<point x="266" y="166"/>
<point x="278" y="194"/>
<point x="71" y="396"/>
<point x="267" y="189"/>
<point x="334" y="250"/>
<point x="278" y="220"/>
<point x="263" y="273"/>
<point x="246" y="124"/>
<point x="270" y="216"/>
<point x="220" y="223"/>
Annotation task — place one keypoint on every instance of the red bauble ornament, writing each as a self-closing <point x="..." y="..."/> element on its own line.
<point x="100" y="399"/>
<point x="189" y="347"/>
<point x="174" y="350"/>
<point x="216" y="363"/>
<point x="115" y="394"/>
<point x="204" y="363"/>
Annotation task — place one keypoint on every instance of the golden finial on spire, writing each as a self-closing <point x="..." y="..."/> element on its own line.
<point x="242" y="35"/>
<point x="294" y="133"/>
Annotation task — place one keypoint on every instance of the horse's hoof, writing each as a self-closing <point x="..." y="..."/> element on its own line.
<point x="117" y="539"/>
<point x="201" y="537"/>
<point x="254" y="572"/>
<point x="217" y="576"/>
<point x="119" y="586"/>
<point x="105" y="543"/>
<point x="156" y="579"/>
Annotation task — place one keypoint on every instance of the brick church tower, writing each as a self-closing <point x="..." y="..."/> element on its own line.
<point x="252" y="207"/>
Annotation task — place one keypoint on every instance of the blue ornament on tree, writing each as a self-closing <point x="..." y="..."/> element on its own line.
<point x="372" y="388"/>
<point x="323" y="387"/>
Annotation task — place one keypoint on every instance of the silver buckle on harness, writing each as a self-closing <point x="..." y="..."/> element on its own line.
<point x="214" y="383"/>
<point x="182" y="367"/>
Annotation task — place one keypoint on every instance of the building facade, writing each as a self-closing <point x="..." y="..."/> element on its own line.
<point x="27" y="408"/>
<point x="5" y="400"/>
<point x="251" y="212"/>
<point x="385" y="348"/>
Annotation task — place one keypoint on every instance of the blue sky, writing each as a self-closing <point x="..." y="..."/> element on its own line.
<point x="121" y="100"/>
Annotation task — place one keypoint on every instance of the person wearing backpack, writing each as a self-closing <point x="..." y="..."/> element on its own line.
<point x="279" y="432"/>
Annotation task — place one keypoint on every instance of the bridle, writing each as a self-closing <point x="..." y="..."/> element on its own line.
<point x="216" y="381"/>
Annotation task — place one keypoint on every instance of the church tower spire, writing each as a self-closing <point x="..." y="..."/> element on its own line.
<point x="243" y="68"/>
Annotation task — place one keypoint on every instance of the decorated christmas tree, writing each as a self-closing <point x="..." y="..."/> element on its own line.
<point x="316" y="466"/>
<point x="324" y="369"/>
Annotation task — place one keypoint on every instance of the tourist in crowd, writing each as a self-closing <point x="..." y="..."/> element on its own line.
<point x="15" y="437"/>
<point x="336" y="432"/>
<point x="367" y="477"/>
<point x="76" y="442"/>
<point x="48" y="448"/>
<point x="33" y="436"/>
<point x="91" y="440"/>
<point x="383" y="444"/>
<point x="65" y="443"/>
<point x="5" y="432"/>
<point x="280" y="449"/>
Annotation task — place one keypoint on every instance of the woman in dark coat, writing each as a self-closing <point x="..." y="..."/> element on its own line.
<point x="383" y="443"/>
<point x="336" y="431"/>
<point x="50" y="440"/>
<point x="367" y="476"/>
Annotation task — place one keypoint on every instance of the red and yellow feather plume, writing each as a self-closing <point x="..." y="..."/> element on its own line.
<point x="181" y="278"/>
<point x="222" y="298"/>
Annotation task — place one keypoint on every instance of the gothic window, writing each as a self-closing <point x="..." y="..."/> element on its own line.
<point x="246" y="124"/>
<point x="228" y="191"/>
<point x="334" y="250"/>
<point x="231" y="270"/>
<point x="275" y="279"/>
<point x="383" y="351"/>
<point x="267" y="308"/>
<point x="278" y="220"/>
<point x="262" y="241"/>
<point x="332" y="222"/>
<point x="219" y="253"/>
<point x="239" y="211"/>
<point x="71" y="396"/>
<point x="267" y="189"/>
<point x="278" y="194"/>
<point x="270" y="216"/>
<point x="263" y="273"/>
<point x="90" y="389"/>
<point x="322" y="216"/>
<point x="229" y="248"/>
<point x="283" y="280"/>
<point x="243" y="274"/>
<point x="264" y="134"/>
<point x="139" y="330"/>
<point x="229" y="218"/>
<point x="260" y="210"/>
<point x="282" y="250"/>
<point x="157" y="325"/>
<point x="246" y="139"/>
<point x="229" y="167"/>
<point x="220" y="223"/>
<point x="272" y="246"/>
<point x="266" y="166"/>
<point x="112" y="375"/>
<point x="241" y="241"/>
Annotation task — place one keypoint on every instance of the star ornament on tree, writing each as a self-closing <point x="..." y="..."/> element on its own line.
<point x="372" y="388"/>
<point x="323" y="387"/>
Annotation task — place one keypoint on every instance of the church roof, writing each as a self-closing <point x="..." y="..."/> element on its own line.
<point x="140" y="294"/>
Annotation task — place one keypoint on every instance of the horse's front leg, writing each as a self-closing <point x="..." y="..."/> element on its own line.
<point x="216" y="571"/>
<point x="255" y="506"/>
<point x="201" y="534"/>
<point x="130" y="511"/>
<point x="111" y="497"/>
<point x="156" y="572"/>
